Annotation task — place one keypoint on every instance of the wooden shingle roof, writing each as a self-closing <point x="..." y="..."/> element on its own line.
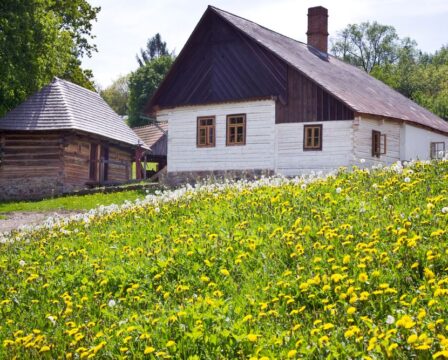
<point x="62" y="105"/>
<point x="155" y="136"/>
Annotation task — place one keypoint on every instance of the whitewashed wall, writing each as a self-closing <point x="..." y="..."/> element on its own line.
<point x="258" y="153"/>
<point x="337" y="148"/>
<point x="362" y="144"/>
<point x="415" y="142"/>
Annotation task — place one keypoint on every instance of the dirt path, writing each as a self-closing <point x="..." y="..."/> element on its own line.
<point x="16" y="219"/>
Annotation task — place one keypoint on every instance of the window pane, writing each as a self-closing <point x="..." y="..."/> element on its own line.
<point x="202" y="136"/>
<point x="211" y="136"/>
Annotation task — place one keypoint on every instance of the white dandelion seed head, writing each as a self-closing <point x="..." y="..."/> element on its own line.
<point x="407" y="180"/>
<point x="52" y="319"/>
<point x="390" y="319"/>
<point x="22" y="263"/>
<point x="445" y="210"/>
<point x="111" y="303"/>
<point x="338" y="190"/>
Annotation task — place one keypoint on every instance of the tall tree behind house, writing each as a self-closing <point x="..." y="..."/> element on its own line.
<point x="378" y="50"/>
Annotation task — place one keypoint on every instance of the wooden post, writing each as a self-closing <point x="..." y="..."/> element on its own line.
<point x="101" y="170"/>
<point x="138" y="163"/>
<point x="144" y="168"/>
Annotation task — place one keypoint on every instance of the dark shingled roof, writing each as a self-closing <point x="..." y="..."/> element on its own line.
<point x="361" y="92"/>
<point x="62" y="105"/>
<point x="154" y="135"/>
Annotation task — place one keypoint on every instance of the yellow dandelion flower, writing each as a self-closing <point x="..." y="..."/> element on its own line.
<point x="149" y="350"/>
<point x="405" y="322"/>
<point x="224" y="272"/>
<point x="363" y="277"/>
<point x="170" y="343"/>
<point x="252" y="337"/>
<point x="44" y="348"/>
<point x="291" y="354"/>
<point x="412" y="339"/>
<point x="351" y="310"/>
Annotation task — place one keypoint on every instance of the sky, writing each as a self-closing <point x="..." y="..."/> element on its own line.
<point x="124" y="26"/>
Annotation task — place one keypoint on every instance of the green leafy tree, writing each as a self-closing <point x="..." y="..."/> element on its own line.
<point x="40" y="39"/>
<point x="142" y="85"/>
<point x="378" y="50"/>
<point x="155" y="48"/>
<point x="367" y="45"/>
<point x="117" y="94"/>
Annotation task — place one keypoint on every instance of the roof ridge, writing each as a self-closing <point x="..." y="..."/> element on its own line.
<point x="264" y="27"/>
<point x="58" y="83"/>
<point x="152" y="124"/>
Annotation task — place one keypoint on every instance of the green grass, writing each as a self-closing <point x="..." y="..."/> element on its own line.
<point x="351" y="267"/>
<point x="75" y="202"/>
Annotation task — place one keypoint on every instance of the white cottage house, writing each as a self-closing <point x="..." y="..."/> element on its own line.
<point x="241" y="98"/>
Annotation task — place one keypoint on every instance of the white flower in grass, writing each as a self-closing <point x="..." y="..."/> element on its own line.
<point x="445" y="210"/>
<point x="390" y="319"/>
<point x="362" y="161"/>
<point x="338" y="190"/>
<point x="407" y="180"/>
<point x="111" y="303"/>
<point x="22" y="263"/>
<point x="303" y="186"/>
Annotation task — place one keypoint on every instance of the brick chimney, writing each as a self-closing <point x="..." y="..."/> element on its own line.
<point x="318" y="28"/>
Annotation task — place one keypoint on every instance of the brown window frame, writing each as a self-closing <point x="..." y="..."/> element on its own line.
<point x="433" y="152"/>
<point x="208" y="143"/>
<point x="235" y="126"/>
<point x="313" y="146"/>
<point x="378" y="143"/>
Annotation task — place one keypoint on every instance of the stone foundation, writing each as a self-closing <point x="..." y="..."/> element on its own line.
<point x="30" y="188"/>
<point x="174" y="179"/>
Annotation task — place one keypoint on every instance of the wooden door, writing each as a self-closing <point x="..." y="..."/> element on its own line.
<point x="93" y="170"/>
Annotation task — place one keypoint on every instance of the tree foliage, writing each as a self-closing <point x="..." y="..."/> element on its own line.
<point x="367" y="45"/>
<point x="117" y="94"/>
<point x="40" y="39"/>
<point x="378" y="50"/>
<point x="142" y="85"/>
<point x="155" y="48"/>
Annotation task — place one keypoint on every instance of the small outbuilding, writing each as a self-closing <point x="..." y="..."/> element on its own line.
<point x="155" y="136"/>
<point x="64" y="138"/>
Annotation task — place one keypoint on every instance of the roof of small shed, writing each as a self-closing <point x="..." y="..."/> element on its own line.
<point x="154" y="135"/>
<point x="62" y="105"/>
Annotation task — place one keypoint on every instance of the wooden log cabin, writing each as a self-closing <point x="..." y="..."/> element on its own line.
<point x="243" y="99"/>
<point x="63" y="138"/>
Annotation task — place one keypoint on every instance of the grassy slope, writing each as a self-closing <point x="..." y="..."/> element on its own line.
<point x="271" y="272"/>
<point x="75" y="202"/>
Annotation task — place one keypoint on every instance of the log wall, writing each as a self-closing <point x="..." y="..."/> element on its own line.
<point x="77" y="163"/>
<point x="39" y="165"/>
<point x="31" y="165"/>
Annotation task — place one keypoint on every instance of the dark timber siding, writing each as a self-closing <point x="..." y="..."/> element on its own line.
<point x="221" y="64"/>
<point x="309" y="102"/>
